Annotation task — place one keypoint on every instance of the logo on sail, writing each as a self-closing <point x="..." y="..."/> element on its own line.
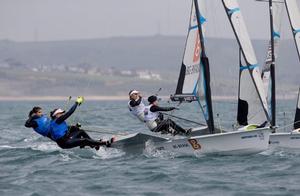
<point x="197" y="49"/>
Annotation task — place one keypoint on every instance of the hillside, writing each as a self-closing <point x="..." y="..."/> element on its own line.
<point x="113" y="66"/>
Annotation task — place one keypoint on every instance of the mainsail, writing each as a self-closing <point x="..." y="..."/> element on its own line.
<point x="252" y="105"/>
<point x="194" y="80"/>
<point x="294" y="17"/>
<point x="190" y="69"/>
<point x="268" y="70"/>
<point x="297" y="115"/>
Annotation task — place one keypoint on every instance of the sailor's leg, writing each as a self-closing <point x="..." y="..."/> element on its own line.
<point x="84" y="134"/>
<point x="79" y="142"/>
<point x="176" y="127"/>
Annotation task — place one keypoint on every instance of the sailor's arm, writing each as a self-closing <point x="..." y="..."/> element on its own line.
<point x="161" y="109"/>
<point x="67" y="114"/>
<point x="30" y="123"/>
<point x="134" y="103"/>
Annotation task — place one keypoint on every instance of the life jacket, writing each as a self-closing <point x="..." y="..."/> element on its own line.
<point x="150" y="117"/>
<point x="43" y="125"/>
<point x="138" y="110"/>
<point x="58" y="130"/>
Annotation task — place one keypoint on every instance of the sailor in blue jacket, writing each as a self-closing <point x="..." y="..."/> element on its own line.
<point x="71" y="136"/>
<point x="39" y="122"/>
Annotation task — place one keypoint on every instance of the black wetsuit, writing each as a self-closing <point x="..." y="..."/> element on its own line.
<point x="31" y="123"/>
<point x="75" y="137"/>
<point x="164" y="125"/>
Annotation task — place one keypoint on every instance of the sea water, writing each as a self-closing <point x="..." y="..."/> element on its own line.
<point x="32" y="165"/>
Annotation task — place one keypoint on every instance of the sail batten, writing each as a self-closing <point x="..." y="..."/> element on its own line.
<point x="252" y="99"/>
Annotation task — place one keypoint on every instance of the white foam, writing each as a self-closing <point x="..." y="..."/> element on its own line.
<point x="45" y="147"/>
<point x="6" y="146"/>
<point x="65" y="157"/>
<point x="108" y="153"/>
<point x="151" y="151"/>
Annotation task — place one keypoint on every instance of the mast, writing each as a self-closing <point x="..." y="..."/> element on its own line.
<point x="272" y="67"/>
<point x="297" y="114"/>
<point x="205" y="64"/>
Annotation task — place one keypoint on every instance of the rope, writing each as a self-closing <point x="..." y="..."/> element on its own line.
<point x="187" y="120"/>
<point x="106" y="130"/>
<point x="289" y="125"/>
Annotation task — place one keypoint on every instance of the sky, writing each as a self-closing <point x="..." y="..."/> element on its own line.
<point x="49" y="20"/>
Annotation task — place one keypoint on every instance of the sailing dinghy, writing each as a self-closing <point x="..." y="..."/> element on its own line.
<point x="291" y="139"/>
<point x="194" y="86"/>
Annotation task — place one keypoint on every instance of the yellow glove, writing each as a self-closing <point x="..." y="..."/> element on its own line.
<point x="79" y="100"/>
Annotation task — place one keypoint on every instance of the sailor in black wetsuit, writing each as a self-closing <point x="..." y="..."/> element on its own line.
<point x="156" y="123"/>
<point x="136" y="105"/>
<point x="39" y="122"/>
<point x="70" y="137"/>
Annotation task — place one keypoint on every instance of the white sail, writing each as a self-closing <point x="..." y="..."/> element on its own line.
<point x="194" y="79"/>
<point x="253" y="108"/>
<point x="277" y="18"/>
<point x="190" y="68"/>
<point x="294" y="17"/>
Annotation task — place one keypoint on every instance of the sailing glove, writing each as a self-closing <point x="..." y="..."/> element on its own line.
<point x="79" y="100"/>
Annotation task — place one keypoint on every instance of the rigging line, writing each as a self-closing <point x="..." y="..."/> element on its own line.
<point x="68" y="102"/>
<point x="184" y="119"/>
<point x="106" y="132"/>
<point x="288" y="125"/>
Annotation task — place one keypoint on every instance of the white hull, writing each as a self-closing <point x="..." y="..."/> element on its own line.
<point x="285" y="140"/>
<point x="231" y="143"/>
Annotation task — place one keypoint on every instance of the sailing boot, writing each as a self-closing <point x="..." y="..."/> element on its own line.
<point x="188" y="131"/>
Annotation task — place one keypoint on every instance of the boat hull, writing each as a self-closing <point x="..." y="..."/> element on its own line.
<point x="285" y="140"/>
<point x="230" y="143"/>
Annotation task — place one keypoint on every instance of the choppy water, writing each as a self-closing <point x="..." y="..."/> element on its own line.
<point x="32" y="165"/>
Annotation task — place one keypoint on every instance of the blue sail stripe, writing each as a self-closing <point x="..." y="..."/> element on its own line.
<point x="276" y="34"/>
<point x="296" y="31"/>
<point x="202" y="20"/>
<point x="233" y="10"/>
<point x="251" y="67"/>
<point x="193" y="27"/>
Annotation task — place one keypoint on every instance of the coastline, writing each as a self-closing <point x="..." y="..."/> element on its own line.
<point x="114" y="98"/>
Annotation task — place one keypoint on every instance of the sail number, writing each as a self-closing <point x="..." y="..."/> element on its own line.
<point x="194" y="143"/>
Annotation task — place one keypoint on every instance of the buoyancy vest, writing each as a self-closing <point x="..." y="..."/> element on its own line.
<point x="58" y="130"/>
<point x="150" y="117"/>
<point x="138" y="110"/>
<point x="43" y="123"/>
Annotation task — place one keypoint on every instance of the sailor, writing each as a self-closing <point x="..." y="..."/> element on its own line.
<point x="71" y="136"/>
<point x="39" y="122"/>
<point x="136" y="105"/>
<point x="155" y="120"/>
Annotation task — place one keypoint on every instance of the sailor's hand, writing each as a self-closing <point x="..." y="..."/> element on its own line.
<point x="79" y="100"/>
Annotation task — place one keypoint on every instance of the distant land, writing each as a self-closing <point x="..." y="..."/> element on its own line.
<point x="113" y="66"/>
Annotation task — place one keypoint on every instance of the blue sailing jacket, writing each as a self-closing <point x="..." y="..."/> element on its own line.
<point x="43" y="127"/>
<point x="58" y="130"/>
